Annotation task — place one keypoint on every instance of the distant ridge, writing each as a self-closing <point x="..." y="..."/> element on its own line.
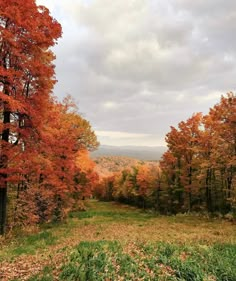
<point x="138" y="152"/>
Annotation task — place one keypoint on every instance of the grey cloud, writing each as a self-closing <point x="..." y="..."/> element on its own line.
<point x="140" y="66"/>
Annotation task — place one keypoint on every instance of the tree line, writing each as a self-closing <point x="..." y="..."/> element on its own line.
<point x="44" y="162"/>
<point x="196" y="173"/>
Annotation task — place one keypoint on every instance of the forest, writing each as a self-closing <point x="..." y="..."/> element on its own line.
<point x="197" y="172"/>
<point x="53" y="195"/>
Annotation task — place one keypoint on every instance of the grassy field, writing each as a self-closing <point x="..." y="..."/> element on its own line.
<point x="110" y="241"/>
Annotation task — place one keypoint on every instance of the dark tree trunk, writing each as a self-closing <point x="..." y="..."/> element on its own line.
<point x="208" y="190"/>
<point x="190" y="189"/>
<point x="3" y="176"/>
<point x="3" y="208"/>
<point x="158" y="196"/>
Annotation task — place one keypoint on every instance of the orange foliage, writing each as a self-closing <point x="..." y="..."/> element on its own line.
<point x="41" y="138"/>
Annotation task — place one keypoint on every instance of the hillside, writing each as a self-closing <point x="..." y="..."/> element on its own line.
<point x="107" y="165"/>
<point x="138" y="152"/>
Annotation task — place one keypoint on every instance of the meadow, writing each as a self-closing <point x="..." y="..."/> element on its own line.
<point x="110" y="241"/>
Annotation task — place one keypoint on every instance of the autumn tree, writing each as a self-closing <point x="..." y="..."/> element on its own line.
<point x="85" y="178"/>
<point x="27" y="31"/>
<point x="59" y="171"/>
<point x="220" y="125"/>
<point x="168" y="166"/>
<point x="183" y="144"/>
<point x="148" y="186"/>
<point x="201" y="158"/>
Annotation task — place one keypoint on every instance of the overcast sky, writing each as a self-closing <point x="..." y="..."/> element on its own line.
<point x="137" y="67"/>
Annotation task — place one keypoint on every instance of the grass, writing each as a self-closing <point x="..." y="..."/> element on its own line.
<point x="31" y="243"/>
<point x="112" y="212"/>
<point x="106" y="260"/>
<point x="27" y="244"/>
<point x="110" y="241"/>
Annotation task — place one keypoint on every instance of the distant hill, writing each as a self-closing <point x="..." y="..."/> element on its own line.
<point x="107" y="165"/>
<point x="138" y="152"/>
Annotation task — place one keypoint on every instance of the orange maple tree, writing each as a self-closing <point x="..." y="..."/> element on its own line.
<point x="57" y="170"/>
<point x="27" y="31"/>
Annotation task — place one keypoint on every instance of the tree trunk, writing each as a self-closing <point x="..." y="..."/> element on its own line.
<point x="3" y="176"/>
<point x="208" y="190"/>
<point x="158" y="196"/>
<point x="3" y="208"/>
<point x="190" y="189"/>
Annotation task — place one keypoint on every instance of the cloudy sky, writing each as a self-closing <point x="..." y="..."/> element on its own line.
<point x="136" y="67"/>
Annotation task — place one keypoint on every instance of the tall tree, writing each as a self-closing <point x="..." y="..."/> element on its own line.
<point x="221" y="121"/>
<point x="27" y="31"/>
<point x="183" y="144"/>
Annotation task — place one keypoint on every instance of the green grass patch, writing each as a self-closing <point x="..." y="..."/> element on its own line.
<point x="28" y="244"/>
<point x="106" y="260"/>
<point x="114" y="215"/>
<point x="33" y="242"/>
<point x="107" y="211"/>
<point x="101" y="260"/>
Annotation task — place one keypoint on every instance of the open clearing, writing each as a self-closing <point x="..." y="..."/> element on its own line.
<point x="110" y="241"/>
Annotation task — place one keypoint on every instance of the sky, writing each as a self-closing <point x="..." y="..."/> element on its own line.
<point x="137" y="67"/>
